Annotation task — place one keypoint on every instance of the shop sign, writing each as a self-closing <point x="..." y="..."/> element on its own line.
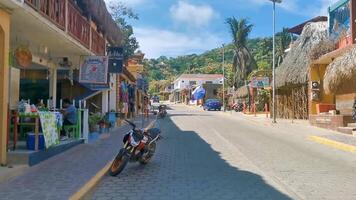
<point x="259" y="82"/>
<point x="23" y="56"/>
<point x="94" y="70"/>
<point x="116" y="58"/>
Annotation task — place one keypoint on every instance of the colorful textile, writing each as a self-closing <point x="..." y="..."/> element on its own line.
<point x="49" y="128"/>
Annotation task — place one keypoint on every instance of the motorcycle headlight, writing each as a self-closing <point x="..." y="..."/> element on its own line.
<point x="133" y="142"/>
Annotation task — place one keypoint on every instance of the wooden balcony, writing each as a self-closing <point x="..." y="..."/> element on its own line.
<point x="66" y="16"/>
<point x="344" y="42"/>
<point x="78" y="26"/>
<point x="97" y="43"/>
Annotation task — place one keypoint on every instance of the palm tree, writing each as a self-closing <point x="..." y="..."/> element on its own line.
<point x="243" y="61"/>
<point x="283" y="41"/>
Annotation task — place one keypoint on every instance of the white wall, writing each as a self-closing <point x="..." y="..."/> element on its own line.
<point x="178" y="84"/>
<point x="112" y="96"/>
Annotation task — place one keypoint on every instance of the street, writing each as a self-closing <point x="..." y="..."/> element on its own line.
<point x="209" y="155"/>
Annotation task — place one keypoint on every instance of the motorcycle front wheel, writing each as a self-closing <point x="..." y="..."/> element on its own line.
<point x="119" y="163"/>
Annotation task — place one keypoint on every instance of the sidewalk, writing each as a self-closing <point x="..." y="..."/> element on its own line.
<point x="324" y="136"/>
<point x="63" y="175"/>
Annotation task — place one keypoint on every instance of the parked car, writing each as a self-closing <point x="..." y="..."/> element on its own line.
<point x="212" y="104"/>
<point x="155" y="99"/>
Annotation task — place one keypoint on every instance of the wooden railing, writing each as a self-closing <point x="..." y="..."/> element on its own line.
<point x="71" y="21"/>
<point x="97" y="43"/>
<point x="78" y="26"/>
<point x="54" y="10"/>
<point x="344" y="42"/>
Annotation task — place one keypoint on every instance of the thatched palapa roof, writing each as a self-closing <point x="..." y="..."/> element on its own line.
<point x="295" y="67"/>
<point x="340" y="75"/>
<point x="104" y="20"/>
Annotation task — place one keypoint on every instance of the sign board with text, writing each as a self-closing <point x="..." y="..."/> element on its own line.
<point x="94" y="70"/>
<point x="116" y="57"/>
<point x="260" y="82"/>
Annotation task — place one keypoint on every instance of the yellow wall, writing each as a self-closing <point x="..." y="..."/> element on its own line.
<point x="317" y="73"/>
<point x="4" y="81"/>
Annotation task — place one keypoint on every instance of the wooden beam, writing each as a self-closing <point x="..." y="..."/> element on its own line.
<point x="4" y="82"/>
<point x="353" y="20"/>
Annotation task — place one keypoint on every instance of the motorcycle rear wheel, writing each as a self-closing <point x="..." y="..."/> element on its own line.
<point x="118" y="164"/>
<point x="147" y="157"/>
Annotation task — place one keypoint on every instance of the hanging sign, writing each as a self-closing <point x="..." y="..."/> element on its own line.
<point x="259" y="82"/>
<point x="23" y="56"/>
<point x="116" y="58"/>
<point x="94" y="70"/>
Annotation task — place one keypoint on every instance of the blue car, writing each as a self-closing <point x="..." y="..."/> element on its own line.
<point x="212" y="104"/>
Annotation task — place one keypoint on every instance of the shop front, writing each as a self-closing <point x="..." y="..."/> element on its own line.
<point x="45" y="50"/>
<point x="332" y="75"/>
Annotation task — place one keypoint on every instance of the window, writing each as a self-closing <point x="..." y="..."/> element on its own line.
<point x="209" y="82"/>
<point x="192" y="82"/>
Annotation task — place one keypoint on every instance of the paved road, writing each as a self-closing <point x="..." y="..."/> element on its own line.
<point x="207" y="155"/>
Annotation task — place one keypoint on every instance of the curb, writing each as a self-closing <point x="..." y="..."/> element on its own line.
<point x="83" y="191"/>
<point x="333" y="144"/>
<point x="89" y="185"/>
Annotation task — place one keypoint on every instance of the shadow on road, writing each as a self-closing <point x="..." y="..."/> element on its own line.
<point x="186" y="167"/>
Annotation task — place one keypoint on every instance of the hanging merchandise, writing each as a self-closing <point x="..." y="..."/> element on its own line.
<point x="23" y="56"/>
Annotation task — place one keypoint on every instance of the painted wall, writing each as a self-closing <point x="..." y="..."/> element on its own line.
<point x="4" y="81"/>
<point x="344" y="103"/>
<point x="317" y="73"/>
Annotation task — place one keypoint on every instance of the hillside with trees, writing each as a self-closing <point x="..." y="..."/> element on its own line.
<point x="163" y="70"/>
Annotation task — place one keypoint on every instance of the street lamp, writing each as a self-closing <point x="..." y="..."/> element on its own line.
<point x="223" y="68"/>
<point x="274" y="61"/>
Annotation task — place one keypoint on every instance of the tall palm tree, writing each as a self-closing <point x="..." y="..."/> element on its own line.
<point x="243" y="61"/>
<point x="283" y="41"/>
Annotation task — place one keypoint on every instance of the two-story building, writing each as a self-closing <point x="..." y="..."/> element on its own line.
<point x="185" y="84"/>
<point x="42" y="46"/>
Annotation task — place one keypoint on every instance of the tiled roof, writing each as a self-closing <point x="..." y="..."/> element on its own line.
<point x="201" y="76"/>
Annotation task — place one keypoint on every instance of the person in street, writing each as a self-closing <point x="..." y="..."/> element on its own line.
<point x="354" y="110"/>
<point x="69" y="115"/>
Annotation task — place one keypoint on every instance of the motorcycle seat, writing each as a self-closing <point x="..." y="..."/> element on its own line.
<point x="153" y="132"/>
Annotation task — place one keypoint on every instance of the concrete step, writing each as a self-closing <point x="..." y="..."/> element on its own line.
<point x="346" y="130"/>
<point x="351" y="125"/>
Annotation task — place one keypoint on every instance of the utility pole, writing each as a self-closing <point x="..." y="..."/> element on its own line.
<point x="223" y="68"/>
<point x="274" y="61"/>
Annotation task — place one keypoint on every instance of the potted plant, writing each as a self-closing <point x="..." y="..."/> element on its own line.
<point x="94" y="121"/>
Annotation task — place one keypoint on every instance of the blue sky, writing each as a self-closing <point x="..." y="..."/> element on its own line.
<point x="180" y="27"/>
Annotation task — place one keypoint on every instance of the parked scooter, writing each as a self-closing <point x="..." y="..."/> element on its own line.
<point x="139" y="146"/>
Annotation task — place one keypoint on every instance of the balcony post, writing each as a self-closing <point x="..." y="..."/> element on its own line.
<point x="90" y="33"/>
<point x="353" y="20"/>
<point x="66" y="14"/>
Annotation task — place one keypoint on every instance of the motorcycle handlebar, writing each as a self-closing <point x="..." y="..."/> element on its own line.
<point x="131" y="123"/>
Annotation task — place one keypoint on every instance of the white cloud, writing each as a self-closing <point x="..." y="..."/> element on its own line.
<point x="194" y="15"/>
<point x="157" y="42"/>
<point x="301" y="7"/>
<point x="129" y="3"/>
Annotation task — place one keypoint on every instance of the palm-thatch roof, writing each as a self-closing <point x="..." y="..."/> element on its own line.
<point x="104" y="20"/>
<point x="340" y="75"/>
<point x="295" y="67"/>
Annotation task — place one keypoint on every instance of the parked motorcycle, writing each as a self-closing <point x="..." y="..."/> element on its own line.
<point x="139" y="146"/>
<point x="162" y="111"/>
<point x="238" y="107"/>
